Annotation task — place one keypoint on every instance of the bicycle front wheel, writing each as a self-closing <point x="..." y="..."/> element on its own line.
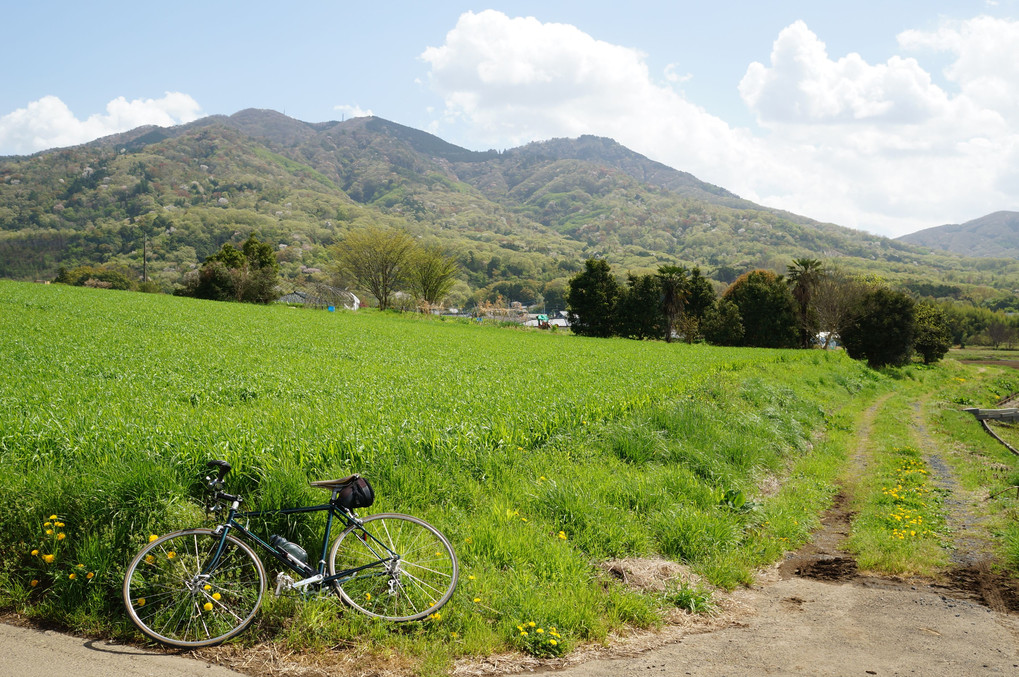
<point x="395" y="567"/>
<point x="180" y="592"/>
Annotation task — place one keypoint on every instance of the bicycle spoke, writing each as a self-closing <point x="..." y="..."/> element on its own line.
<point x="415" y="582"/>
<point x="185" y="590"/>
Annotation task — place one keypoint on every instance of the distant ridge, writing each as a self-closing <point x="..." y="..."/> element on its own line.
<point x="995" y="235"/>
<point x="521" y="220"/>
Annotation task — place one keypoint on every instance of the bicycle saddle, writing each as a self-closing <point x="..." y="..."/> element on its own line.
<point x="334" y="484"/>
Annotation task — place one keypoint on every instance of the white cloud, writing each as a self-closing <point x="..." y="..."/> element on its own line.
<point x="803" y="85"/>
<point x="874" y="146"/>
<point x="49" y="123"/>
<point x="353" y="111"/>
<point x="672" y="74"/>
<point x="987" y="59"/>
<point x="515" y="80"/>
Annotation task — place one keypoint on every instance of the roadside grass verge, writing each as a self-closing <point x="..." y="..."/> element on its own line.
<point x="538" y="455"/>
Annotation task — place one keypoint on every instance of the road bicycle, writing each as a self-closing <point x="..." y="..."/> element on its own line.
<point x="200" y="587"/>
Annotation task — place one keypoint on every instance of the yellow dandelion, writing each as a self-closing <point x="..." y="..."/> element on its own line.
<point x="47" y="524"/>
<point x="207" y="587"/>
<point x="171" y="555"/>
<point x="523" y="633"/>
<point x="531" y="624"/>
<point x="562" y="535"/>
<point x="468" y="540"/>
<point x="61" y="536"/>
<point x="48" y="558"/>
<point x="477" y="599"/>
<point x="81" y="566"/>
<point x="53" y="517"/>
<point x="216" y="596"/>
<point x="540" y="631"/>
<point x="49" y="532"/>
<point x="140" y="601"/>
<point x="72" y="576"/>
<point x="207" y="606"/>
<point x="470" y="577"/>
<point x="90" y="575"/>
<point x="453" y="635"/>
<point x="368" y="596"/>
<point x="34" y="582"/>
<point x="59" y="525"/>
<point x="149" y="559"/>
<point x="553" y="642"/>
<point x="152" y="537"/>
<point x="34" y="553"/>
<point x="523" y="519"/>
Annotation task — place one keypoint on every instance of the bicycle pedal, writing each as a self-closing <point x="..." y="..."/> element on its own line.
<point x="283" y="583"/>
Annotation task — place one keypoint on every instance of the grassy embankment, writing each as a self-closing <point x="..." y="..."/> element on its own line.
<point x="112" y="402"/>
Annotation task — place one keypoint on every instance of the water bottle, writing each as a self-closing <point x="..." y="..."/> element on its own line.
<point x="292" y="549"/>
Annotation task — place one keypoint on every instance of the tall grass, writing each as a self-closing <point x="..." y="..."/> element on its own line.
<point x="539" y="455"/>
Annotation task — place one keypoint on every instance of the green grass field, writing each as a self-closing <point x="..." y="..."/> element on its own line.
<point x="539" y="455"/>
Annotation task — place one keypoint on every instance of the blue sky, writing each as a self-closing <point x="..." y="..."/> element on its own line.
<point x="888" y="117"/>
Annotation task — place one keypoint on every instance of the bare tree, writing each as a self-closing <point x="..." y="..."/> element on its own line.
<point x="376" y="259"/>
<point x="1000" y="332"/>
<point x="833" y="298"/>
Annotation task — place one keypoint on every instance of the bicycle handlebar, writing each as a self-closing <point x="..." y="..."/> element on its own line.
<point x="216" y="484"/>
<point x="223" y="466"/>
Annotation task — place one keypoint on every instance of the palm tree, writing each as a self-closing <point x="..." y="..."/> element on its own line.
<point x="804" y="274"/>
<point x="673" y="280"/>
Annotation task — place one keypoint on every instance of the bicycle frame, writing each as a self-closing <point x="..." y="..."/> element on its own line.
<point x="317" y="576"/>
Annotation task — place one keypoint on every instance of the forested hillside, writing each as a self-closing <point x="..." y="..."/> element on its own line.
<point x="525" y="218"/>
<point x="994" y="235"/>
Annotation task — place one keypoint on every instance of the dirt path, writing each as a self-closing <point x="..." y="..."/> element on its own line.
<point x="814" y="614"/>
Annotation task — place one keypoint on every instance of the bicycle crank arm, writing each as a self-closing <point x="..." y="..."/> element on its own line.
<point x="317" y="578"/>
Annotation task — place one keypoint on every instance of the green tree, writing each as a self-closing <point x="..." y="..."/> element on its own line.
<point x="880" y="328"/>
<point x="722" y="324"/>
<point x="431" y="275"/>
<point x="638" y="308"/>
<point x="249" y="274"/>
<point x="376" y="260"/>
<point x="101" y="278"/>
<point x="766" y="309"/>
<point x="591" y="300"/>
<point x="701" y="295"/>
<point x="932" y="339"/>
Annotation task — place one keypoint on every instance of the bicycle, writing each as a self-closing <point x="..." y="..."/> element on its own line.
<point x="200" y="587"/>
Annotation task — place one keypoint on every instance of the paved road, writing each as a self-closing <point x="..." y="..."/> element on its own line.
<point x="26" y="652"/>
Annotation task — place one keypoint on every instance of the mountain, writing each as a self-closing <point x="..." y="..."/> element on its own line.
<point x="522" y="221"/>
<point x="994" y="235"/>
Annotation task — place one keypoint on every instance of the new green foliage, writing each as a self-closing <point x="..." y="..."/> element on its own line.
<point x="538" y="455"/>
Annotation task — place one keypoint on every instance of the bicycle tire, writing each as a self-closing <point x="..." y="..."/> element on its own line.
<point x="172" y="600"/>
<point x="408" y="588"/>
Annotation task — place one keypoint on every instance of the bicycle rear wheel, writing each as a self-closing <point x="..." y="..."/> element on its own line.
<point x="404" y="569"/>
<point x="178" y="592"/>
